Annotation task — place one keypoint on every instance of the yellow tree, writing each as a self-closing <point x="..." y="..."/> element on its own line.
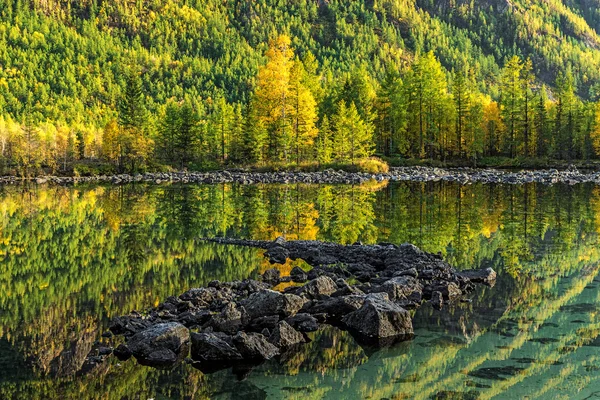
<point x="272" y="98"/>
<point x="303" y="112"/>
<point x="111" y="148"/>
<point x="492" y="127"/>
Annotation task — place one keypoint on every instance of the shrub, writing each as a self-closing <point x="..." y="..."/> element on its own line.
<point x="373" y="165"/>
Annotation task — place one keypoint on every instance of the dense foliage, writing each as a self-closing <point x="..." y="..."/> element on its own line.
<point x="188" y="83"/>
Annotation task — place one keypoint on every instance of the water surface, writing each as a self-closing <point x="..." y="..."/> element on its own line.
<point x="72" y="258"/>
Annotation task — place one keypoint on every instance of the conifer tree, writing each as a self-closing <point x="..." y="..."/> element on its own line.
<point x="324" y="145"/>
<point x="271" y="103"/>
<point x="303" y="112"/>
<point x="512" y="102"/>
<point x="541" y="123"/>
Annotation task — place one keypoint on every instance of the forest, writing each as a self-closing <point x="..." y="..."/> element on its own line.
<point x="106" y="87"/>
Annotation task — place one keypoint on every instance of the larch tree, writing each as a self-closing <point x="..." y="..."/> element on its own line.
<point x="353" y="137"/>
<point x="462" y="102"/>
<point x="111" y="145"/>
<point x="541" y="122"/>
<point x="527" y="80"/>
<point x="303" y="112"/>
<point x="324" y="145"/>
<point x="271" y="102"/>
<point x="512" y="102"/>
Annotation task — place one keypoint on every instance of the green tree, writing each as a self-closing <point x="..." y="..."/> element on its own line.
<point x="511" y="101"/>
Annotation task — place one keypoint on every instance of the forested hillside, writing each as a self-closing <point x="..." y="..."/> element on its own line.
<point x="190" y="83"/>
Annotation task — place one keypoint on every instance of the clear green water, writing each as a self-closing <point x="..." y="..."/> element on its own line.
<point x="72" y="258"/>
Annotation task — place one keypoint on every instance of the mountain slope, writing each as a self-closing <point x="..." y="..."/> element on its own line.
<point x="65" y="60"/>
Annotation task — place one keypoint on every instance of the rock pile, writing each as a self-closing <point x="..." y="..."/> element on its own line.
<point x="367" y="290"/>
<point x="422" y="174"/>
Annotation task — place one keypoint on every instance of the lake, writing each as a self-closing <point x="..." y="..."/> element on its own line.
<point x="73" y="258"/>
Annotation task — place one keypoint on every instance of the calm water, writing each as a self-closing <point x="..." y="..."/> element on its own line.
<point x="72" y="258"/>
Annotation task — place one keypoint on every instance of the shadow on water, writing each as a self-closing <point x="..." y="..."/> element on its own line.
<point x="72" y="258"/>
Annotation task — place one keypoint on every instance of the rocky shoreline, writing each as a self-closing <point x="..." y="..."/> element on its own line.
<point x="569" y="176"/>
<point x="366" y="290"/>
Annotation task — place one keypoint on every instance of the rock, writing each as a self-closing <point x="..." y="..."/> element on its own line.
<point x="107" y="334"/>
<point x="122" y="352"/>
<point x="449" y="290"/>
<point x="379" y="319"/>
<point x="128" y="325"/>
<point x="270" y="302"/>
<point x="231" y="319"/>
<point x="319" y="287"/>
<point x="194" y="318"/>
<point x="336" y="307"/>
<point x="254" y="346"/>
<point x="272" y="276"/>
<point x="486" y="275"/>
<point x="160" y="345"/>
<point x="344" y="289"/>
<point x="303" y="322"/>
<point x="277" y="254"/>
<point x="267" y="322"/>
<point x="409" y="272"/>
<point x="210" y="347"/>
<point x="401" y="287"/>
<point x="200" y="296"/>
<point x="298" y="275"/>
<point x="285" y="336"/>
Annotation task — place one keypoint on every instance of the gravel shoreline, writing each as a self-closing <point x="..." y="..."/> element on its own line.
<point x="570" y="176"/>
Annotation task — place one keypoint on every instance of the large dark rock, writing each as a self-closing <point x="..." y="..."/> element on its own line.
<point x="378" y="318"/>
<point x="486" y="275"/>
<point x="303" y="322"/>
<point x="230" y="320"/>
<point x="210" y="347"/>
<point x="401" y="287"/>
<point x="336" y="307"/>
<point x="160" y="345"/>
<point x="277" y="254"/>
<point x="272" y="276"/>
<point x="254" y="346"/>
<point x="267" y="322"/>
<point x="285" y="336"/>
<point x="298" y="275"/>
<point x="270" y="302"/>
<point x="449" y="290"/>
<point x="319" y="288"/>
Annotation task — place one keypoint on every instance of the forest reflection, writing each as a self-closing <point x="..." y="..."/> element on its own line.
<point x="72" y="258"/>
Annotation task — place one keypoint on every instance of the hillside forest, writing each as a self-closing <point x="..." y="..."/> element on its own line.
<point x="157" y="84"/>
